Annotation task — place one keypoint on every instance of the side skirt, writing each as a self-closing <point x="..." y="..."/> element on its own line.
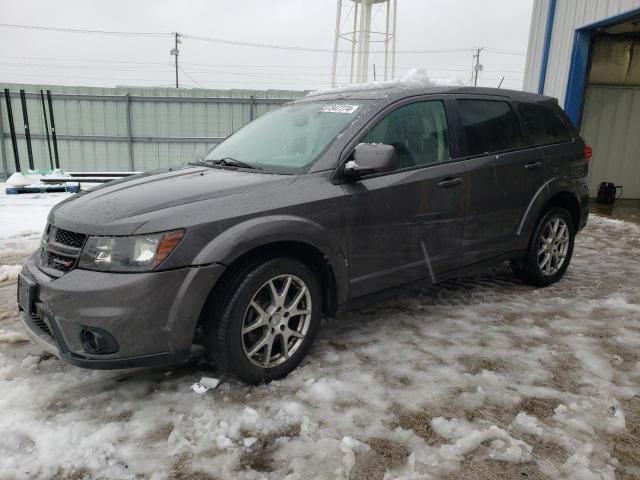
<point x="424" y="283"/>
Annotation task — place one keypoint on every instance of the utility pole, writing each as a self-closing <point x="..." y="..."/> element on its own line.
<point x="478" y="66"/>
<point x="175" y="51"/>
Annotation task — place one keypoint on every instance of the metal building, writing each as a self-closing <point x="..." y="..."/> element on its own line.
<point x="586" y="53"/>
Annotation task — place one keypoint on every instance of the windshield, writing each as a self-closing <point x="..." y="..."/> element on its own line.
<point x="290" y="138"/>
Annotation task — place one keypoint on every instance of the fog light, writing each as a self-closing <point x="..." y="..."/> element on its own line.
<point x="90" y="341"/>
<point x="97" y="341"/>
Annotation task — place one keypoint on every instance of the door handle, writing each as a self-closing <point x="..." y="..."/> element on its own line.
<point x="450" y="182"/>
<point x="532" y="166"/>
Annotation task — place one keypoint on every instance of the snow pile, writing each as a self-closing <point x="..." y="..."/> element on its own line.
<point x="12" y="337"/>
<point x="19" y="179"/>
<point x="502" y="446"/>
<point x="22" y="220"/>
<point x="414" y="78"/>
<point x="9" y="273"/>
<point x="582" y="416"/>
<point x="33" y="178"/>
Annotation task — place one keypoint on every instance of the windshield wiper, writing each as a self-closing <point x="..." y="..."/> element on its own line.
<point x="232" y="162"/>
<point x="201" y="163"/>
<point x="224" y="162"/>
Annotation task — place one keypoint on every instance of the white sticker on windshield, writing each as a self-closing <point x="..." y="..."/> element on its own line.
<point x="338" y="108"/>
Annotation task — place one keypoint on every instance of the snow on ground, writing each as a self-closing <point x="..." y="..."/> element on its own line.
<point x="22" y="220"/>
<point x="478" y="378"/>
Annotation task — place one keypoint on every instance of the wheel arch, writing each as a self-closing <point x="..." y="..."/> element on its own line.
<point x="558" y="192"/>
<point x="268" y="237"/>
<point x="307" y="254"/>
<point x="569" y="202"/>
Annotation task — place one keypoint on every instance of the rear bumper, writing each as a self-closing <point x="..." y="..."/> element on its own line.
<point x="584" y="215"/>
<point x="583" y="197"/>
<point x="147" y="319"/>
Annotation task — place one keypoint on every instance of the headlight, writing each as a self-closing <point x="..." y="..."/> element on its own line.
<point x="137" y="253"/>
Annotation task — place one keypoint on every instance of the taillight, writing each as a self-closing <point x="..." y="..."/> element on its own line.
<point x="587" y="153"/>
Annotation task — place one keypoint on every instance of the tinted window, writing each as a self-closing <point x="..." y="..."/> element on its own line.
<point x="490" y="126"/>
<point x="544" y="125"/>
<point x="418" y="132"/>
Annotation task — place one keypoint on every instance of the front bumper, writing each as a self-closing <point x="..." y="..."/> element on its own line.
<point x="150" y="318"/>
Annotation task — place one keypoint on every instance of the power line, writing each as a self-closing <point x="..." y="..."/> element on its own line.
<point x="505" y="52"/>
<point x="206" y="69"/>
<point x="85" y="77"/>
<point x="123" y="65"/>
<point x="85" y="31"/>
<point x="116" y="68"/>
<point x="302" y="82"/>
<point x="189" y="72"/>
<point x="310" y="49"/>
<point x="241" y="43"/>
<point x="190" y="77"/>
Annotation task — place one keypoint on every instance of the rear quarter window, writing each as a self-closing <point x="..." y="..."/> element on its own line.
<point x="489" y="126"/>
<point x="543" y="124"/>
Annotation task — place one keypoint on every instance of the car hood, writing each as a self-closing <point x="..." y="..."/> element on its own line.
<point x="118" y="207"/>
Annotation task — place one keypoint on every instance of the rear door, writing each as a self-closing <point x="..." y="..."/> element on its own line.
<point x="550" y="133"/>
<point x="501" y="172"/>
<point x="407" y="224"/>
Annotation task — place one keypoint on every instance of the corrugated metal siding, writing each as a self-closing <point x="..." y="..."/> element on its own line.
<point x="610" y="126"/>
<point x="149" y="119"/>
<point x="569" y="15"/>
<point x="536" y="45"/>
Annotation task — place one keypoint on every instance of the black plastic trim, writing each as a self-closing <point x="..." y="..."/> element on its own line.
<point x="151" y="360"/>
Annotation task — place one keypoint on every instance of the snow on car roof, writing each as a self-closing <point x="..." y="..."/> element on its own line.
<point x="416" y="82"/>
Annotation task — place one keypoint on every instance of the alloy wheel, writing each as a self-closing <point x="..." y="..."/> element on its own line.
<point x="276" y="321"/>
<point x="553" y="246"/>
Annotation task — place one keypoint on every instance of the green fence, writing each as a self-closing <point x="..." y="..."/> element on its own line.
<point x="129" y="129"/>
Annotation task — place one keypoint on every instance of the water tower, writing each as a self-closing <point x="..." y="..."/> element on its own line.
<point x="359" y="25"/>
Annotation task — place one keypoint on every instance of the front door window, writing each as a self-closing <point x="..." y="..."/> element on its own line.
<point x="418" y="132"/>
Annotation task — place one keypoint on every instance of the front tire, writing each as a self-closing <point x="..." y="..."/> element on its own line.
<point x="550" y="249"/>
<point x="262" y="322"/>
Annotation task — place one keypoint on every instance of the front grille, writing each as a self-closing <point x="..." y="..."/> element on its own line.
<point x="60" y="262"/>
<point x="71" y="239"/>
<point x="60" y="250"/>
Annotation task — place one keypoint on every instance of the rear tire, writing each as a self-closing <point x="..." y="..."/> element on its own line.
<point x="550" y="249"/>
<point x="262" y="321"/>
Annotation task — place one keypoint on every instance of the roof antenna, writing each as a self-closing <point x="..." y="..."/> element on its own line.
<point x="501" y="80"/>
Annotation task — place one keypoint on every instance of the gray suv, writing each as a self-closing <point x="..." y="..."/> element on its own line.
<point x="325" y="201"/>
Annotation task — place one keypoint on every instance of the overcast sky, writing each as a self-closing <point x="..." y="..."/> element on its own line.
<point x="50" y="57"/>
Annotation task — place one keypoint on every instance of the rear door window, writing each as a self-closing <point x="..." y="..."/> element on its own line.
<point x="489" y="126"/>
<point x="543" y="124"/>
<point x="418" y="131"/>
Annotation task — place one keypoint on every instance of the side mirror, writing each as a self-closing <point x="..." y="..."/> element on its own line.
<point x="371" y="158"/>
